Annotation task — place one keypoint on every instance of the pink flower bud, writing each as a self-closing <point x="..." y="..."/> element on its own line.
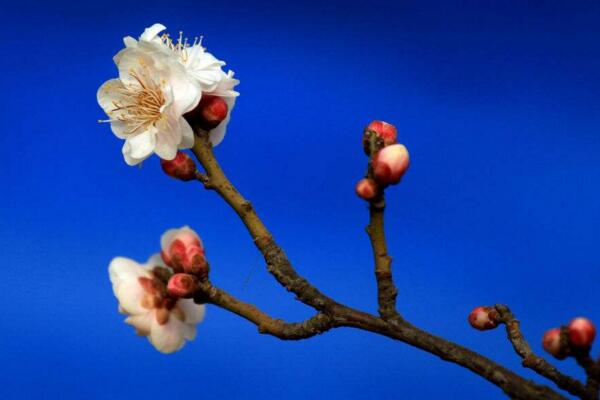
<point x="390" y="164"/>
<point x="484" y="318"/>
<point x="196" y="262"/>
<point x="366" y="189"/>
<point x="581" y="332"/>
<point x="551" y="342"/>
<point x="182" y="285"/>
<point x="182" y="250"/>
<point x="387" y="132"/>
<point x="209" y="113"/>
<point x="182" y="167"/>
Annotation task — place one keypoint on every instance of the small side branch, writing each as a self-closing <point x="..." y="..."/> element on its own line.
<point x="535" y="362"/>
<point x="386" y="290"/>
<point x="592" y="371"/>
<point x="266" y="324"/>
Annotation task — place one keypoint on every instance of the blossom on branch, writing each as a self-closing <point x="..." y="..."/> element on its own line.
<point x="159" y="81"/>
<point x="142" y="295"/>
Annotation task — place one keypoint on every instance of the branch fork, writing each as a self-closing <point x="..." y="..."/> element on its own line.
<point x="330" y="314"/>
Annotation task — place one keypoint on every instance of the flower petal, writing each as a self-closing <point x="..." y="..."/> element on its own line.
<point x="124" y="275"/>
<point x="141" y="322"/>
<point x="187" y="134"/>
<point x="194" y="313"/>
<point x="151" y="32"/>
<point x="167" y="338"/>
<point x="142" y="144"/>
<point x="108" y="95"/>
<point x="156" y="260"/>
<point x="186" y="94"/>
<point x="189" y="332"/>
<point x="167" y="138"/>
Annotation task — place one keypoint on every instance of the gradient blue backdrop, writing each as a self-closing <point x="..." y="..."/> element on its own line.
<point x="498" y="103"/>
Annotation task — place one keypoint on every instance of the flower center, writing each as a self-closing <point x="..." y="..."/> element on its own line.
<point x="181" y="47"/>
<point x="141" y="104"/>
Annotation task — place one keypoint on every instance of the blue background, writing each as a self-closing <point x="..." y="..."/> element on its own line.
<point x="498" y="103"/>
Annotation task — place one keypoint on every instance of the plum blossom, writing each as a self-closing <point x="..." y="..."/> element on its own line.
<point x="141" y="291"/>
<point x="159" y="81"/>
<point x="146" y="104"/>
<point x="201" y="67"/>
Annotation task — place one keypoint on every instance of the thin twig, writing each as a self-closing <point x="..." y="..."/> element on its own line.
<point x="386" y="290"/>
<point x="532" y="360"/>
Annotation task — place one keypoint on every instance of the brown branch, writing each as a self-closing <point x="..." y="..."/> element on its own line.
<point x="535" y="362"/>
<point x="386" y="290"/>
<point x="591" y="368"/>
<point x="280" y="267"/>
<point x="266" y="324"/>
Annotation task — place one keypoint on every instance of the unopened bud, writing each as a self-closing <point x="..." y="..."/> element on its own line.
<point x="209" y="113"/>
<point x="484" y="318"/>
<point x="581" y="332"/>
<point x="196" y="262"/>
<point x="367" y="189"/>
<point x="179" y="246"/>
<point x="390" y="164"/>
<point x="552" y="343"/>
<point x="182" y="167"/>
<point x="182" y="285"/>
<point x="377" y="135"/>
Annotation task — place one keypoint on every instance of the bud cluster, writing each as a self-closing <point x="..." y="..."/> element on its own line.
<point x="577" y="337"/>
<point x="182" y="250"/>
<point x="388" y="162"/>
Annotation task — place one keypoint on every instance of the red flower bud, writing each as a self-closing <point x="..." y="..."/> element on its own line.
<point x="196" y="262"/>
<point x="581" y="332"/>
<point x="390" y="164"/>
<point x="366" y="189"/>
<point x="377" y="135"/>
<point x="182" y="285"/>
<point x="484" y="318"/>
<point x="182" y="167"/>
<point x="209" y="113"/>
<point x="552" y="343"/>
<point x="387" y="132"/>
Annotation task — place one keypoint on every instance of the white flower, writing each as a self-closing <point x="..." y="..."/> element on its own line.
<point x="165" y="321"/>
<point x="201" y="67"/>
<point x="159" y="81"/>
<point x="146" y="105"/>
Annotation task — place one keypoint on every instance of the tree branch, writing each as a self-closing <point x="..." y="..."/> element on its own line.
<point x="386" y="290"/>
<point x="532" y="360"/>
<point x="266" y="324"/>
<point x="337" y="314"/>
